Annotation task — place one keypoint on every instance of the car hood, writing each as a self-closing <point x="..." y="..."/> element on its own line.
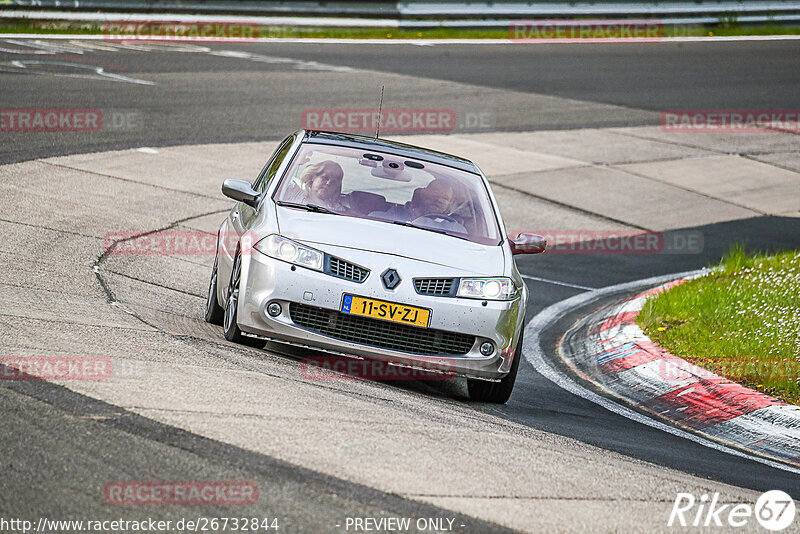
<point x="364" y="234"/>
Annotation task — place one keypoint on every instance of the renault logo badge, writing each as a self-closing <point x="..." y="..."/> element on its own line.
<point x="390" y="278"/>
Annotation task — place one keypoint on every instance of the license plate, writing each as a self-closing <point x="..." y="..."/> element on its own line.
<point x="387" y="311"/>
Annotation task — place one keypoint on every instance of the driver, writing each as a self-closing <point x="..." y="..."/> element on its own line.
<point x="434" y="198"/>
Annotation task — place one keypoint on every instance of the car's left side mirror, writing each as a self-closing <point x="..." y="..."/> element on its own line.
<point x="240" y="190"/>
<point x="526" y="243"/>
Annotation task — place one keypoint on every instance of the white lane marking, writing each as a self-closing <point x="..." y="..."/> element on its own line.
<point x="534" y="353"/>
<point x="556" y="282"/>
<point x="147" y="150"/>
<point x="28" y="50"/>
<point x="232" y="53"/>
<point x="89" y="43"/>
<point x="94" y="47"/>
<point x="98" y="73"/>
<point x="296" y="63"/>
<point x="120" y="78"/>
<point x="46" y="47"/>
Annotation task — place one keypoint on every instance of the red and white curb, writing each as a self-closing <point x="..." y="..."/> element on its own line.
<point x="608" y="349"/>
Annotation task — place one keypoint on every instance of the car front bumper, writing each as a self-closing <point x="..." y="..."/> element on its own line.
<point x="266" y="280"/>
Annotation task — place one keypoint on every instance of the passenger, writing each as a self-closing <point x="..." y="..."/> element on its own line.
<point x="320" y="184"/>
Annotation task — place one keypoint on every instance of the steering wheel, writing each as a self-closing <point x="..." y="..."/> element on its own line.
<point x="447" y="218"/>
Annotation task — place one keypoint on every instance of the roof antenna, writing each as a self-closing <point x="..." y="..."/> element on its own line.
<point x="380" y="108"/>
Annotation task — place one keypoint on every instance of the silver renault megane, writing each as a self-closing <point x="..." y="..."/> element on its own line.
<point x="374" y="249"/>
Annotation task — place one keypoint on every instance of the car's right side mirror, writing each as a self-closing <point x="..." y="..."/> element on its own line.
<point x="527" y="243"/>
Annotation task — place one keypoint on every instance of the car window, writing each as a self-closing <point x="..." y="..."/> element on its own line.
<point x="391" y="188"/>
<point x="269" y="171"/>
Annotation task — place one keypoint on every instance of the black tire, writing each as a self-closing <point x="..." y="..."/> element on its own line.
<point x="215" y="313"/>
<point x="496" y="392"/>
<point x="230" y="328"/>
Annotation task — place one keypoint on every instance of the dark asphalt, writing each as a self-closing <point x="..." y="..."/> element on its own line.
<point x="652" y="76"/>
<point x="200" y="96"/>
<point x="57" y="444"/>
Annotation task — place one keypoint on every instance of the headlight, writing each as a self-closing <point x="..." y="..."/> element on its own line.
<point x="283" y="249"/>
<point x="500" y="288"/>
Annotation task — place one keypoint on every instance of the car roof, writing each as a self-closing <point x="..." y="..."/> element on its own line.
<point x="391" y="147"/>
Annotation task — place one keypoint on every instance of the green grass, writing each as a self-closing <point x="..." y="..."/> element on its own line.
<point x="723" y="28"/>
<point x="308" y="32"/>
<point x="741" y="321"/>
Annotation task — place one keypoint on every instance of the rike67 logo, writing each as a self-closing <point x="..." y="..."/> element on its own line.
<point x="774" y="510"/>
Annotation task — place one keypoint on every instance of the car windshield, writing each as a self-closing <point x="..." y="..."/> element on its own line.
<point x="389" y="188"/>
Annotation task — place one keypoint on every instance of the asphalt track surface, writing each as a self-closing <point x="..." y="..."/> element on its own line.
<point x="206" y="98"/>
<point x="202" y="97"/>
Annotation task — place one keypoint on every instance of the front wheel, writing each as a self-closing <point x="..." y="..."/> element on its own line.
<point x="496" y="392"/>
<point x="229" y="326"/>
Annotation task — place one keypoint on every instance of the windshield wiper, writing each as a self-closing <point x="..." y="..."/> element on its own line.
<point x="438" y="231"/>
<point x="308" y="207"/>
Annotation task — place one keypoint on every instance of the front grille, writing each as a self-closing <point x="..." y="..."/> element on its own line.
<point x="344" y="269"/>
<point x="378" y="333"/>
<point x="435" y="286"/>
